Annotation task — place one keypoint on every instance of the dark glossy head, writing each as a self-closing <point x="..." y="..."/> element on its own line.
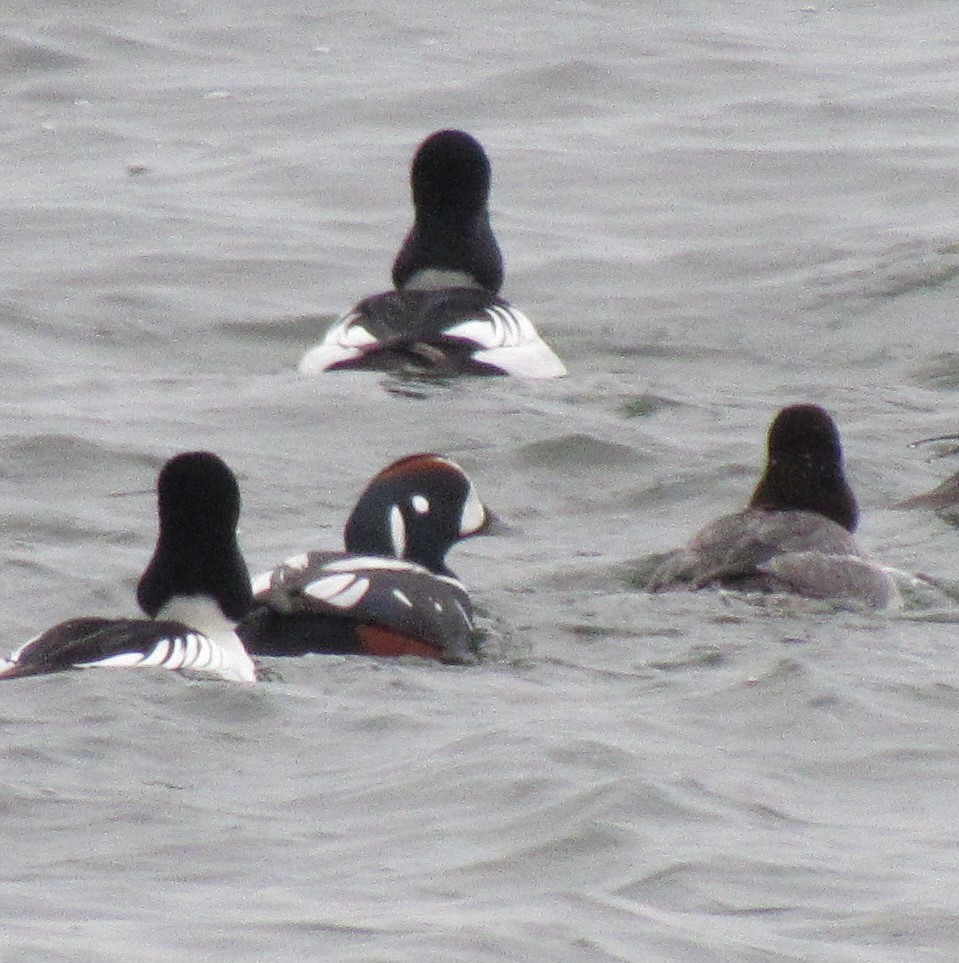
<point x="804" y="469"/>
<point x="450" y="180"/>
<point x="450" y="174"/>
<point x="198" y="504"/>
<point x="416" y="509"/>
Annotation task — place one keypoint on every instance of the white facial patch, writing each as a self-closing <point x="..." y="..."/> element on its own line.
<point x="474" y="514"/>
<point x="420" y="503"/>
<point x="397" y="531"/>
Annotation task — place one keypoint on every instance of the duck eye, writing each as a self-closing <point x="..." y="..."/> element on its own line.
<point x="420" y="503"/>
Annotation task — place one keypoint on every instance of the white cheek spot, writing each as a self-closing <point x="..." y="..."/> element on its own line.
<point x="402" y="597"/>
<point x="397" y="531"/>
<point x="438" y="606"/>
<point x="420" y="503"/>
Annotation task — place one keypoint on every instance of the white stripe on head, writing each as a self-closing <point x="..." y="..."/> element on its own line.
<point x="397" y="531"/>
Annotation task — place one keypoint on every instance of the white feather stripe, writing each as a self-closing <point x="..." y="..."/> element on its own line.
<point x="466" y="616"/>
<point x="160" y="653"/>
<point x="480" y="331"/>
<point x="529" y="359"/>
<point x="402" y="597"/>
<point x="356" y="563"/>
<point x="334" y="590"/>
<point x="224" y="657"/>
<point x="262" y="582"/>
<point x="506" y="338"/>
<point x="350" y="333"/>
<point x="193" y="651"/>
<point x="122" y="660"/>
<point x="500" y="328"/>
<point x="297" y="562"/>
<point x="327" y="585"/>
<point x="510" y="328"/>
<point x="200" y="653"/>
<point x="345" y="340"/>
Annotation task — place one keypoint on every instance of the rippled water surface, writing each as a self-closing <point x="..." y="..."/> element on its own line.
<point x="711" y="211"/>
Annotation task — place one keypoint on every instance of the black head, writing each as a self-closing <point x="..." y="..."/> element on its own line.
<point x="450" y="172"/>
<point x="450" y="180"/>
<point x="804" y="469"/>
<point x="198" y="504"/>
<point x="416" y="509"/>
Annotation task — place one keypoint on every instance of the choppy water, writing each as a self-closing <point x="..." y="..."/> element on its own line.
<point x="710" y="210"/>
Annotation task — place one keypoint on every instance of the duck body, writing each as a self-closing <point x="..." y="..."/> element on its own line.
<point x="435" y="331"/>
<point x="339" y="603"/>
<point x="796" y="552"/>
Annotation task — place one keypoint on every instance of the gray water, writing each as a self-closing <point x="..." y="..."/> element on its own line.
<point x="710" y="211"/>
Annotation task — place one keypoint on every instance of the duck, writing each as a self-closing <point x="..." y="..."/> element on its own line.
<point x="194" y="591"/>
<point x="444" y="315"/>
<point x="797" y="532"/>
<point x="389" y="592"/>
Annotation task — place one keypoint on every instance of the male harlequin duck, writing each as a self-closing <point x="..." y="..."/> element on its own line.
<point x="195" y="589"/>
<point x="390" y="593"/>
<point x="796" y="535"/>
<point x="445" y="315"/>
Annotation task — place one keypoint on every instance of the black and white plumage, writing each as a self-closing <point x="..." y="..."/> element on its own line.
<point x="796" y="535"/>
<point x="195" y="589"/>
<point x="390" y="593"/>
<point x="336" y="602"/>
<point x="445" y="315"/>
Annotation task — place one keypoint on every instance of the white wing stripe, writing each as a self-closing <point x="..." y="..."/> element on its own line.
<point x="343" y="591"/>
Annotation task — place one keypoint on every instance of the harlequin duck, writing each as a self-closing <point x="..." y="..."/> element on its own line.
<point x="390" y="592"/>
